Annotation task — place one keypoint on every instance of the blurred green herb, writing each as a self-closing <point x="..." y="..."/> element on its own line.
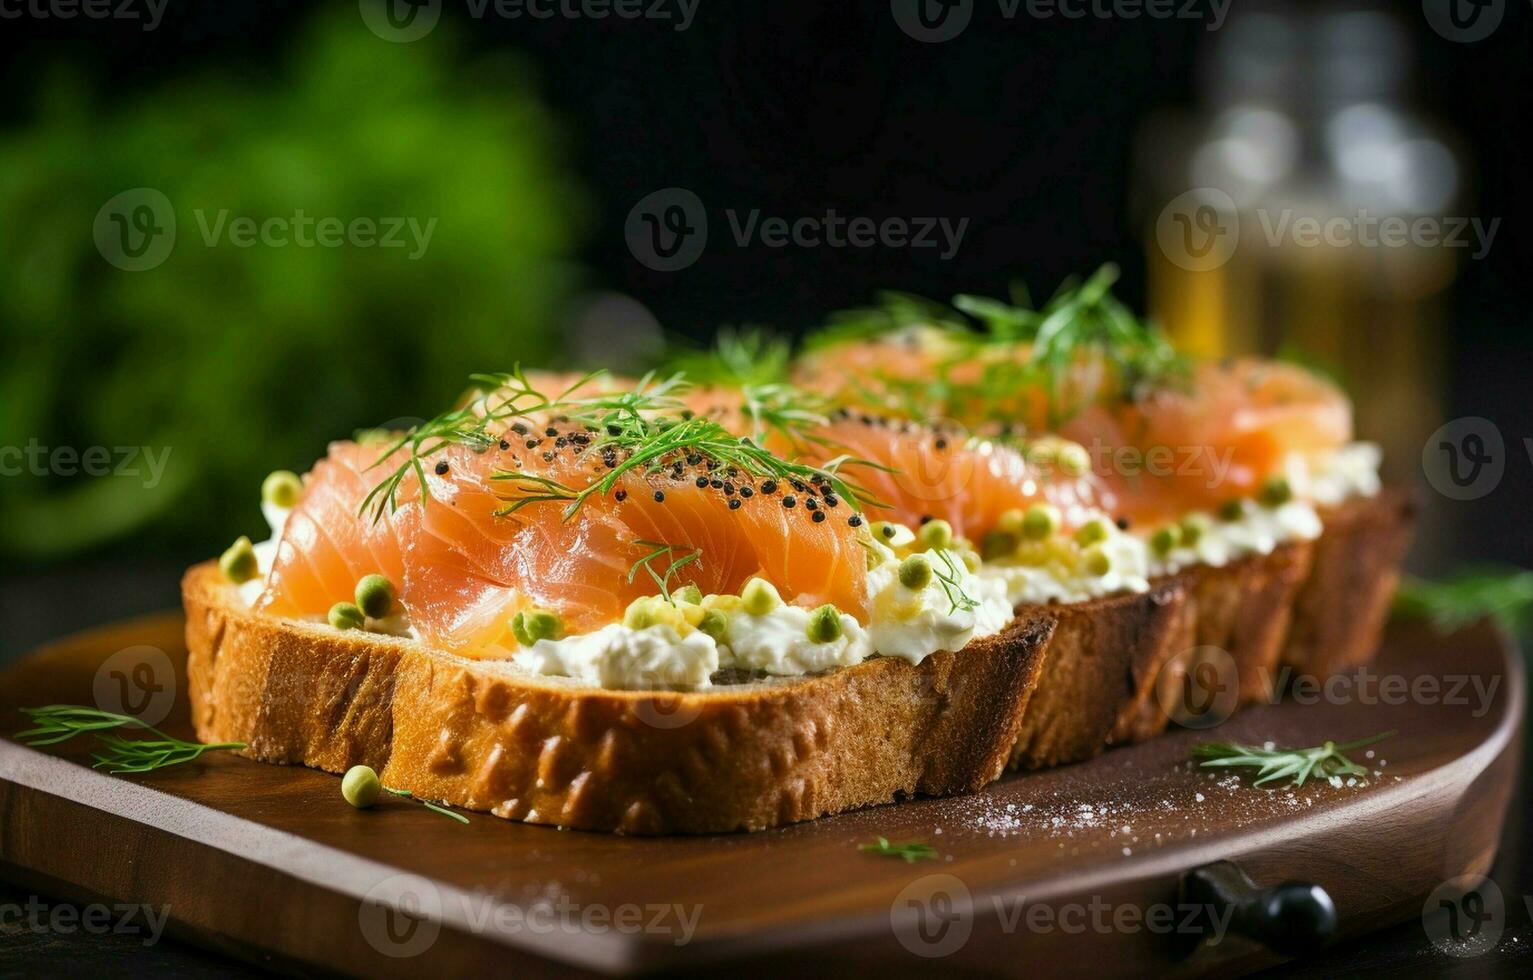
<point x="741" y="356"/>
<point x="241" y="359"/>
<point x="1504" y="593"/>
<point x="910" y="852"/>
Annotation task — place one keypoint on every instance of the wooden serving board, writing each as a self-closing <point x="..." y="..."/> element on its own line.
<point x="1068" y="871"/>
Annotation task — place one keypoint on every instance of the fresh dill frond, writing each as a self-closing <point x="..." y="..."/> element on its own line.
<point x="638" y="441"/>
<point x="950" y="577"/>
<point x="61" y="722"/>
<point x="893" y="312"/>
<point x="433" y="807"/>
<point x="1298" y="765"/>
<point x="910" y="851"/>
<point x="739" y="357"/>
<point x="662" y="579"/>
<point x="1502" y="592"/>
<point x="493" y="400"/>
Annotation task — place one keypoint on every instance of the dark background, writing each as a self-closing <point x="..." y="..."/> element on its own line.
<point x="1025" y="127"/>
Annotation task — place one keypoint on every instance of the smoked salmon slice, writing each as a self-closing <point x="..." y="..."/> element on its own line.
<point x="499" y="529"/>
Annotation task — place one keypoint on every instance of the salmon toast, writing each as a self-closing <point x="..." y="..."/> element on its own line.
<point x="584" y="603"/>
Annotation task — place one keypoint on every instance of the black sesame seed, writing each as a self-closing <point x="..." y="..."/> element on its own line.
<point x="789" y="502"/>
<point x="734" y="503"/>
<point x="504" y="445"/>
<point x="747" y="492"/>
<point x="716" y="483"/>
<point x="532" y="444"/>
<point x="548" y="457"/>
<point x="941" y="443"/>
<point x="854" y="521"/>
<point x="1122" y="523"/>
<point x="621" y="496"/>
<point x="702" y="481"/>
<point x="811" y="503"/>
<point x="831" y="500"/>
<point x="550" y="431"/>
<point x="519" y="428"/>
<point x="769" y="486"/>
<point x="887" y="530"/>
<point x="441" y="468"/>
<point x="693" y="459"/>
<point x="729" y="489"/>
<point x="659" y="496"/>
<point x="819" y="516"/>
<point x="925" y="519"/>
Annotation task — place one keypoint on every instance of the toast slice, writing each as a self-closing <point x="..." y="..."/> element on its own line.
<point x="1113" y="669"/>
<point x="1341" y="610"/>
<point x="486" y="736"/>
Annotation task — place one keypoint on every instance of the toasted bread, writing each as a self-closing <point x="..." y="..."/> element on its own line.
<point x="1340" y="612"/>
<point x="1112" y="670"/>
<point x="486" y="736"/>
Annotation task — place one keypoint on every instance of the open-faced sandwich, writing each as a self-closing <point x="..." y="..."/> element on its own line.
<point x="920" y="554"/>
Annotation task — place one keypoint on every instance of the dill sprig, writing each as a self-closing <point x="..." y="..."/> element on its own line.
<point x="492" y="401"/>
<point x="951" y="581"/>
<point x="61" y="722"/>
<point x="433" y="807"/>
<point x="662" y="579"/>
<point x="1325" y="761"/>
<point x="1081" y="324"/>
<point x="910" y="851"/>
<point x="1502" y="592"/>
<point x="646" y="442"/>
<point x="739" y="357"/>
<point x="893" y="312"/>
<point x="1081" y="319"/>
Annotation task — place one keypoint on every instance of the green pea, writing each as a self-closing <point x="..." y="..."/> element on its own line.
<point x="532" y="625"/>
<point x="936" y="533"/>
<point x="824" y="624"/>
<point x="375" y="595"/>
<point x="1232" y="510"/>
<point x="1276" y="492"/>
<point x="281" y="488"/>
<point x="1165" y="539"/>
<point x="688" y="593"/>
<point x="715" y="624"/>
<point x="1074" y="460"/>
<point x="1096" y="562"/>
<point x="239" y="563"/>
<point x="997" y="544"/>
<point x="1092" y="532"/>
<point x="1194" y="526"/>
<point x="1040" y="521"/>
<point x="346" y="616"/>
<point x="639" y="615"/>
<point x="760" y="597"/>
<point x="361" y="786"/>
<point x="916" y="572"/>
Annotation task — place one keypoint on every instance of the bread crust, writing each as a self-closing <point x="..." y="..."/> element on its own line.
<point x="483" y="736"/>
<point x="1339" y="614"/>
